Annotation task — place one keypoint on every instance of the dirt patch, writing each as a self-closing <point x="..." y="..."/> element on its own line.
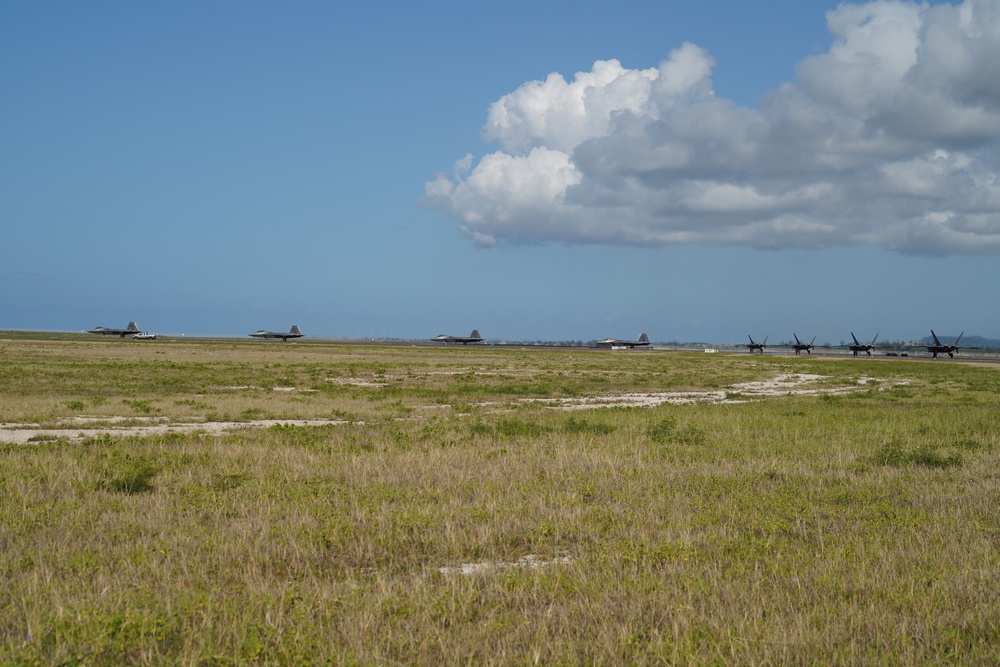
<point x="79" y="429"/>
<point x="358" y="382"/>
<point x="251" y="387"/>
<point x="797" y="384"/>
<point x="530" y="561"/>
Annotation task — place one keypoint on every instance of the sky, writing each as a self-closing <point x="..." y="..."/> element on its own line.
<point x="566" y="170"/>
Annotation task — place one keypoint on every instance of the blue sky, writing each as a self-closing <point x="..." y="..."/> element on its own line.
<point x="717" y="168"/>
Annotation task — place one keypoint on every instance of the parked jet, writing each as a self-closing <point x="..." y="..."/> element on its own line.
<point x="121" y="333"/>
<point x="293" y="333"/>
<point x="862" y="347"/>
<point x="938" y="346"/>
<point x="756" y="346"/>
<point x="473" y="337"/>
<point x="799" y="346"/>
<point x="642" y="340"/>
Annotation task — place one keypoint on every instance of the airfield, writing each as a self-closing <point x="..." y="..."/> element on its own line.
<point x="220" y="501"/>
<point x="912" y="350"/>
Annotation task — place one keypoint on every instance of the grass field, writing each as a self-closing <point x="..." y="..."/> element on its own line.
<point x="418" y="505"/>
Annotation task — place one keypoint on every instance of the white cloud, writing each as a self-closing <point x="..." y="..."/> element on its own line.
<point x="889" y="138"/>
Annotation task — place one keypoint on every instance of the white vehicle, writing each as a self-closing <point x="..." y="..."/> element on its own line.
<point x="144" y="335"/>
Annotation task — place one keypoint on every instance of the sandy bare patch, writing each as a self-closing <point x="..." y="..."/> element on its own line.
<point x="83" y="428"/>
<point x="486" y="373"/>
<point x="795" y="384"/>
<point x="20" y="434"/>
<point x="245" y="387"/>
<point x="530" y="561"/>
<point x="357" y="382"/>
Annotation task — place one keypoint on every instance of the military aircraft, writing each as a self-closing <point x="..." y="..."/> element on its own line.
<point x="293" y="333"/>
<point x="473" y="337"/>
<point x="862" y="347"/>
<point x="756" y="346"/>
<point x="799" y="346"/>
<point x="943" y="348"/>
<point x="121" y="333"/>
<point x="642" y="340"/>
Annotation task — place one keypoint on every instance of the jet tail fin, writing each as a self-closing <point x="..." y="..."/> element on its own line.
<point x="475" y="334"/>
<point x="132" y="327"/>
<point x="295" y="330"/>
<point x="934" y="336"/>
<point x="959" y="338"/>
<point x="643" y="338"/>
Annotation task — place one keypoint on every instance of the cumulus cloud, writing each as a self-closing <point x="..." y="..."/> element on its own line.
<point x="889" y="138"/>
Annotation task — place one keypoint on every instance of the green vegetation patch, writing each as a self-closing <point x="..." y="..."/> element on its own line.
<point x="896" y="455"/>
<point x="579" y="425"/>
<point x="666" y="431"/>
<point x="510" y="428"/>
<point x="129" y="474"/>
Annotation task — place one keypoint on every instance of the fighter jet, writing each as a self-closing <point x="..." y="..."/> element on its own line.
<point x="862" y="347"/>
<point x="121" y="333"/>
<point x="938" y="346"/>
<point x="473" y="337"/>
<point x="293" y="333"/>
<point x="642" y="340"/>
<point x="799" y="346"/>
<point x="756" y="346"/>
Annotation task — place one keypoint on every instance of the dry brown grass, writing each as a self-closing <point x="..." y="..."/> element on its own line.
<point x="801" y="529"/>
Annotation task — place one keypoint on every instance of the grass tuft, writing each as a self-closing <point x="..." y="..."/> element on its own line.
<point x="132" y="477"/>
<point x="666" y="431"/>
<point x="894" y="455"/>
<point x="577" y="425"/>
<point x="510" y="428"/>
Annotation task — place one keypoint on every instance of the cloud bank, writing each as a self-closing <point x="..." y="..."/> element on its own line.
<point x="889" y="138"/>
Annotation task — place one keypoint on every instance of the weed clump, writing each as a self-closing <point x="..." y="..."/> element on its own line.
<point x="226" y="482"/>
<point x="140" y="406"/>
<point x="510" y="428"/>
<point x="666" y="431"/>
<point x="133" y="477"/>
<point x="663" y="430"/>
<point x="971" y="445"/>
<point x="894" y="455"/>
<point x="309" y="437"/>
<point x="574" y="425"/>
